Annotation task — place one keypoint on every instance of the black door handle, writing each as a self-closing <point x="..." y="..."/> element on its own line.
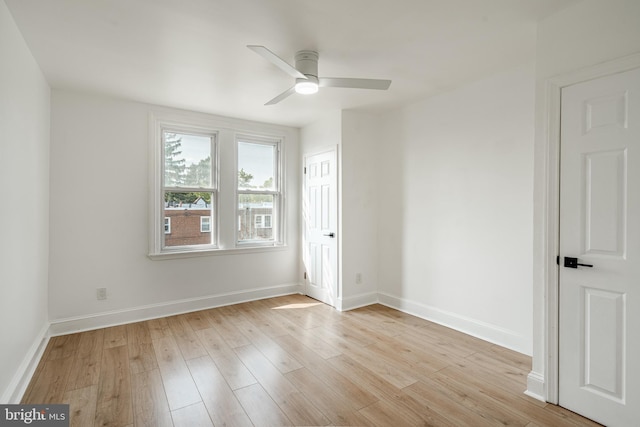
<point x="330" y="235"/>
<point x="570" y="262"/>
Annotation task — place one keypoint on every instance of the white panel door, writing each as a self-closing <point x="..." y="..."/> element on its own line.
<point x="320" y="222"/>
<point x="599" y="372"/>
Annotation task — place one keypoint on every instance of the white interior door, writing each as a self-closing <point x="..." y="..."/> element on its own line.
<point x="599" y="368"/>
<point x="321" y="226"/>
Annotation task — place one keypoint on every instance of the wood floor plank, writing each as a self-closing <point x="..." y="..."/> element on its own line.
<point x="150" y="406"/>
<point x="185" y="337"/>
<point x="507" y="371"/>
<point x="115" y="336"/>
<point x="398" y="376"/>
<point x="350" y="334"/>
<point x="322" y="348"/>
<point x="158" y="328"/>
<point x="221" y="403"/>
<point x="86" y="371"/>
<point x="113" y="407"/>
<point x="349" y="391"/>
<point x="419" y="358"/>
<point x="367" y="318"/>
<point x="435" y="397"/>
<point x="294" y="404"/>
<point x="63" y="346"/>
<point x="192" y="416"/>
<point x="510" y="357"/>
<point x="385" y="413"/>
<point x="301" y="311"/>
<point x="258" y="313"/>
<point x="271" y="379"/>
<point x="179" y="387"/>
<point x="50" y="385"/>
<point x="571" y="416"/>
<point x="386" y="391"/>
<point x="280" y="358"/>
<point x="82" y="406"/>
<point x="141" y="354"/>
<point x="485" y="406"/>
<point x="529" y="407"/>
<point x="235" y="373"/>
<point x="197" y="320"/>
<point x="331" y="403"/>
<point x="227" y="330"/>
<point x="260" y="408"/>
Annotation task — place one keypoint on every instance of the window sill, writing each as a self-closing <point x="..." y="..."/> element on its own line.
<point x="214" y="252"/>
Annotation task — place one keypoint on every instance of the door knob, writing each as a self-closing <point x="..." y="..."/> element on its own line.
<point x="570" y="262"/>
<point x="330" y="235"/>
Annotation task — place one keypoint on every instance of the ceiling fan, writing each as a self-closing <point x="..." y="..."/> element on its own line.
<point x="306" y="74"/>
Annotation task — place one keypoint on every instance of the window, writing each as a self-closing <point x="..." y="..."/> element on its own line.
<point x="258" y="190"/>
<point x="263" y="221"/>
<point x="188" y="189"/>
<point x="205" y="224"/>
<point x="214" y="188"/>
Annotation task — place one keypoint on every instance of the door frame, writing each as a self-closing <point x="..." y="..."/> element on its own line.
<point x="338" y="284"/>
<point x="547" y="220"/>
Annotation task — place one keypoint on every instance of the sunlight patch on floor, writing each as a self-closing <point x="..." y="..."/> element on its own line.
<point x="298" y="305"/>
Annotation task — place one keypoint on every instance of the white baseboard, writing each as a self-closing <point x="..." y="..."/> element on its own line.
<point x="535" y="386"/>
<point x="356" y="301"/>
<point x="473" y="327"/>
<point x="20" y="381"/>
<point x="152" y="311"/>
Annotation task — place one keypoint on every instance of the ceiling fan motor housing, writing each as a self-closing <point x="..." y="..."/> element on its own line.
<point x="307" y="64"/>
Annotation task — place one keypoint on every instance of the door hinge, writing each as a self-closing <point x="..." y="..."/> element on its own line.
<point x="305" y="275"/>
<point x="558" y="259"/>
<point x="305" y="170"/>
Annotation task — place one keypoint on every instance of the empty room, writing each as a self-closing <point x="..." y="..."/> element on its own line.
<point x="297" y="212"/>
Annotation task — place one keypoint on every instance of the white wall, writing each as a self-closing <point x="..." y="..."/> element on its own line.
<point x="455" y="208"/>
<point x="326" y="132"/>
<point x="99" y="217"/>
<point x="24" y="174"/>
<point x="583" y="35"/>
<point x="359" y="190"/>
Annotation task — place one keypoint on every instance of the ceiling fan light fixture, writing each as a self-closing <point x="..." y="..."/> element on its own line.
<point x="306" y="87"/>
<point x="306" y="75"/>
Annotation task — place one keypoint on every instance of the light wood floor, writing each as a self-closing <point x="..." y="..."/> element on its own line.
<point x="288" y="361"/>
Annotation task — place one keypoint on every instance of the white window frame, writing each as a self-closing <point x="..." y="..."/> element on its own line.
<point x="224" y="222"/>
<point x="158" y="127"/>
<point x="167" y="225"/>
<point x="208" y="222"/>
<point x="278" y="192"/>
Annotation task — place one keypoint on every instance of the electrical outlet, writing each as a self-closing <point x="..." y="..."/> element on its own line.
<point x="358" y="278"/>
<point x="101" y="293"/>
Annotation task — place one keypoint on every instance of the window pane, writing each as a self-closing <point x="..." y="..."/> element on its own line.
<point x="256" y="166"/>
<point x="205" y="224"/>
<point x="184" y="211"/>
<point x="254" y="214"/>
<point x="187" y="160"/>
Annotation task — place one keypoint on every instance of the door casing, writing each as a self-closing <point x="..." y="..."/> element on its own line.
<point x="549" y="224"/>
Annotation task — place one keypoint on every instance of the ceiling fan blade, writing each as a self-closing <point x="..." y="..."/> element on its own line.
<point x="277" y="61"/>
<point x="282" y="96"/>
<point x="355" y="83"/>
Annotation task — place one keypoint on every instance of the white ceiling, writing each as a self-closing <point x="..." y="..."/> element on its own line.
<point x="191" y="53"/>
